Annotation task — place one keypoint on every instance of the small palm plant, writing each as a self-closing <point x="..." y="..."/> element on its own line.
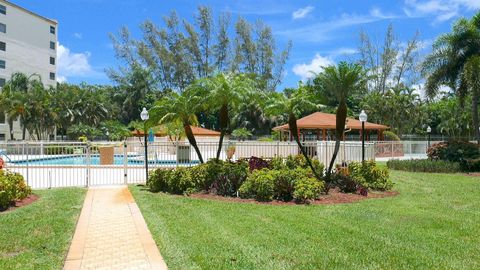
<point x="293" y="105"/>
<point x="340" y="82"/>
<point x="224" y="92"/>
<point x="180" y="109"/>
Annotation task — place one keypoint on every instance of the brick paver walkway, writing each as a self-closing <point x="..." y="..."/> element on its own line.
<point x="111" y="234"/>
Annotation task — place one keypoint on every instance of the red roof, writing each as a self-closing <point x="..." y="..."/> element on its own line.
<point x="319" y="120"/>
<point x="197" y="131"/>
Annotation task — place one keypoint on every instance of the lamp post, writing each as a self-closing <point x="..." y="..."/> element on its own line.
<point x="363" y="119"/>
<point x="144" y="117"/>
<point x="429" y="130"/>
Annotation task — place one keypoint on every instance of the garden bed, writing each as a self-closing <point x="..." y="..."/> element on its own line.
<point x="21" y="203"/>
<point x="334" y="197"/>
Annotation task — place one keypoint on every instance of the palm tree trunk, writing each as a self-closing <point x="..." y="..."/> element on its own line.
<point x="341" y="117"/>
<point x="292" y="125"/>
<point x="223" y="128"/>
<point x="475" y="115"/>
<point x="192" y="141"/>
<point x="10" y="127"/>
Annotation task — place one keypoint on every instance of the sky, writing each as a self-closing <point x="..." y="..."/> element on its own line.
<point x="322" y="32"/>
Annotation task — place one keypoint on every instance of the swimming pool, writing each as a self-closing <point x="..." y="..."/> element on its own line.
<point x="94" y="160"/>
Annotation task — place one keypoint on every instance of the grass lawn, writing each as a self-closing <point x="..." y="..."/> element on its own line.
<point x="434" y="223"/>
<point x="37" y="236"/>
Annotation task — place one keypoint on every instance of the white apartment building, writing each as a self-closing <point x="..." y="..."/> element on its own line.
<point x="28" y="44"/>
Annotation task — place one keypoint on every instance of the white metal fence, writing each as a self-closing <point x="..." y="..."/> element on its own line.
<point x="53" y="164"/>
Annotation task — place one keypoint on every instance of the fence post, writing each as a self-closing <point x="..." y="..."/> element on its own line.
<point x="125" y="162"/>
<point x="87" y="184"/>
<point x="27" y="163"/>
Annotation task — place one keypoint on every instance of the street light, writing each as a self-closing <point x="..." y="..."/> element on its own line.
<point x="363" y="119"/>
<point x="144" y="117"/>
<point x="429" y="130"/>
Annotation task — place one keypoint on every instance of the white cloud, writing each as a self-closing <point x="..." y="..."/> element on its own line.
<point x="72" y="64"/>
<point x="77" y="35"/>
<point x="442" y="10"/>
<point x="322" y="31"/>
<point x="302" y="12"/>
<point x="307" y="71"/>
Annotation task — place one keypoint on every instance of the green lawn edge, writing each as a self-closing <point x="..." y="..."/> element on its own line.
<point x="38" y="236"/>
<point x="432" y="223"/>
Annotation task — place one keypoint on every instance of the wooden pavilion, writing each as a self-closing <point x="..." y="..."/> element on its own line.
<point x="321" y="126"/>
<point x="197" y="131"/>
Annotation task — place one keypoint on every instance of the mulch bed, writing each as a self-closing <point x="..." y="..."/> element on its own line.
<point x="473" y="174"/>
<point x="334" y="197"/>
<point x="28" y="200"/>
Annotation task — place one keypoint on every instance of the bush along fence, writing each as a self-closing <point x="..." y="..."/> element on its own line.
<point x="444" y="157"/>
<point x="283" y="179"/>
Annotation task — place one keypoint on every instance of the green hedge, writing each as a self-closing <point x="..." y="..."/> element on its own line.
<point x="12" y="187"/>
<point x="370" y="176"/>
<point x="284" y="184"/>
<point x="424" y="165"/>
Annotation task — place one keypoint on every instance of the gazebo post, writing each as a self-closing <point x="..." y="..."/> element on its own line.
<point x="318" y="134"/>
<point x="324" y="134"/>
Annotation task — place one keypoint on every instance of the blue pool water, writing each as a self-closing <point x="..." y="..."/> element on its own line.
<point x="94" y="160"/>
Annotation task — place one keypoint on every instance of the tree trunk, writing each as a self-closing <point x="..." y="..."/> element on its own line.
<point x="292" y="125"/>
<point x="10" y="127"/>
<point x="475" y="116"/>
<point x="191" y="140"/>
<point x="341" y="117"/>
<point x="223" y="128"/>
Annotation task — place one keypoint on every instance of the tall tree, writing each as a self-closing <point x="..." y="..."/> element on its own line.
<point x="181" y="52"/>
<point x="391" y="65"/>
<point x="455" y="62"/>
<point x="340" y="82"/>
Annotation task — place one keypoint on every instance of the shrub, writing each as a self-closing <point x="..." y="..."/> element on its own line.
<point x="230" y="179"/>
<point x="260" y="185"/>
<point x="266" y="185"/>
<point x="424" y="165"/>
<point x="390" y="136"/>
<point x="299" y="161"/>
<point x="368" y="175"/>
<point x="158" y="180"/>
<point x="470" y="165"/>
<point x="12" y="187"/>
<point x="256" y="163"/>
<point x="277" y="163"/>
<point x="454" y="151"/>
<point x="346" y="183"/>
<point x="307" y="188"/>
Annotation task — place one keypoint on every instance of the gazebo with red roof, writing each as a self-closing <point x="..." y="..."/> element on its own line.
<point x="321" y="124"/>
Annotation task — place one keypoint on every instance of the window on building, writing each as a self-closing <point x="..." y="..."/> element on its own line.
<point x="52" y="60"/>
<point x="3" y="119"/>
<point x="2" y="136"/>
<point x="3" y="9"/>
<point x="52" y="30"/>
<point x="2" y="64"/>
<point x="3" y="46"/>
<point x="3" y="28"/>
<point x="2" y="82"/>
<point x="52" y="45"/>
<point x="52" y="75"/>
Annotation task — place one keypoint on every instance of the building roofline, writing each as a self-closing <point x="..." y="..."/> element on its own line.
<point x="30" y="12"/>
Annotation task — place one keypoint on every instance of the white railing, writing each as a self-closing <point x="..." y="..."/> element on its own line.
<point x="55" y="164"/>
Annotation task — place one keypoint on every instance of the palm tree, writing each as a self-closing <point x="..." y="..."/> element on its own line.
<point x="179" y="109"/>
<point x="225" y="92"/>
<point x="293" y="105"/>
<point x="453" y="63"/>
<point x="14" y="98"/>
<point x="340" y="82"/>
